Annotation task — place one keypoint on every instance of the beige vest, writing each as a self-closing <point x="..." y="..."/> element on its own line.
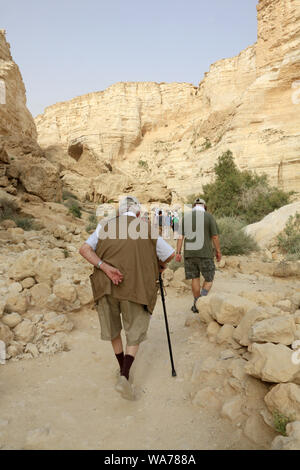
<point x="137" y="261"/>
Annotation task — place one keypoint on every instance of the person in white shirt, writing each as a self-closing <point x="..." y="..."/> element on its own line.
<point x="133" y="309"/>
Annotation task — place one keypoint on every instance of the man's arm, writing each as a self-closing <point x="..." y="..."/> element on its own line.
<point x="87" y="252"/>
<point x="178" y="248"/>
<point x="163" y="264"/>
<point x="216" y="242"/>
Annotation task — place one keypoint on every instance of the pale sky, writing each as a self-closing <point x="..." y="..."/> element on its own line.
<point x="66" y="48"/>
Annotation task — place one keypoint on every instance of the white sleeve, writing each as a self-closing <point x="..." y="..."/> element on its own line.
<point x="163" y="249"/>
<point x="93" y="239"/>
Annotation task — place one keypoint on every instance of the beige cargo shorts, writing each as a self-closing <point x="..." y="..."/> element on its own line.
<point x="135" y="319"/>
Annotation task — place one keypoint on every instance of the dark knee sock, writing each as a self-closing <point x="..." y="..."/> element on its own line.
<point x="120" y="358"/>
<point x="127" y="363"/>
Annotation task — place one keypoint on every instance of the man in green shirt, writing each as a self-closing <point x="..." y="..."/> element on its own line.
<point x="199" y="232"/>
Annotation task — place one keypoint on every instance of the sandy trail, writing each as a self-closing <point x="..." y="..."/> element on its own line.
<point x="70" y="398"/>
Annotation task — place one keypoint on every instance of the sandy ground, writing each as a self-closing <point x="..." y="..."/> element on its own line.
<point x="68" y="401"/>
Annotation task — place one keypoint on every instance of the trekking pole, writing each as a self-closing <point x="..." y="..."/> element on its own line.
<point x="167" y="326"/>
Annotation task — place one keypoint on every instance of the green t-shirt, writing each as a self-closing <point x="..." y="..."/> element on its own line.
<point x="210" y="230"/>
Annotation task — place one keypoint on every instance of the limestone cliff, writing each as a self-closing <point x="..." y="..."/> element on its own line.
<point x="133" y="134"/>
<point x="22" y="162"/>
<point x="14" y="115"/>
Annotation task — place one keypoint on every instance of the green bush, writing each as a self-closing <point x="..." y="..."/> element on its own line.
<point x="143" y="164"/>
<point x="242" y="194"/>
<point x="27" y="223"/>
<point x="233" y="239"/>
<point x="75" y="210"/>
<point x="8" y="209"/>
<point x="289" y="239"/>
<point x="280" y="421"/>
<point x="93" y="222"/>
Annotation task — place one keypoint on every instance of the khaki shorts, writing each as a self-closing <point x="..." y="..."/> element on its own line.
<point x="134" y="317"/>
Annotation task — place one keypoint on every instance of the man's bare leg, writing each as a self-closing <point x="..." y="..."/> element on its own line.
<point x="206" y="287"/>
<point x="196" y="293"/>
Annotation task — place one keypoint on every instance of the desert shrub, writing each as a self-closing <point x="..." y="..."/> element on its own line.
<point x="93" y="222"/>
<point x="143" y="164"/>
<point x="75" y="210"/>
<point x="27" y="223"/>
<point x="68" y="195"/>
<point x="8" y="209"/>
<point x="243" y="194"/>
<point x="280" y="422"/>
<point x="289" y="239"/>
<point x="66" y="253"/>
<point x="233" y="239"/>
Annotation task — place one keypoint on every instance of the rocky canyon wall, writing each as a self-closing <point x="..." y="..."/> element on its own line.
<point x="162" y="140"/>
<point x="23" y="165"/>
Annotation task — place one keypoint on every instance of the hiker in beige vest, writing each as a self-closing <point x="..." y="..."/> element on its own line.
<point x="124" y="281"/>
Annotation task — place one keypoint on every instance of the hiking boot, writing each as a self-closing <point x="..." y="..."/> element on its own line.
<point x="194" y="309"/>
<point x="125" y="389"/>
<point x="118" y="374"/>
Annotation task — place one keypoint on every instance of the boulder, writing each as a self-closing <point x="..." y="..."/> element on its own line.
<point x="65" y="291"/>
<point x="229" y="308"/>
<point x="279" y="329"/>
<point x="16" y="303"/>
<point x="266" y="230"/>
<point x="285" y="305"/>
<point x="6" y="334"/>
<point x="59" y="323"/>
<point x="232" y="409"/>
<point x="40" y="294"/>
<point x="28" y="282"/>
<point x="54" y="344"/>
<point x="287" y="269"/>
<point x="15" y="288"/>
<point x="272" y="363"/>
<point x="14" y="349"/>
<point x="225" y="334"/>
<point x="25" y="331"/>
<point x="285" y="398"/>
<point x="212" y="330"/>
<point x="85" y="293"/>
<point x="31" y="264"/>
<point x="32" y="349"/>
<point x="292" y="441"/>
<point x="205" y="313"/>
<point x="242" y="331"/>
<point x="11" y="319"/>
<point x="258" y="431"/>
<point x="41" y="178"/>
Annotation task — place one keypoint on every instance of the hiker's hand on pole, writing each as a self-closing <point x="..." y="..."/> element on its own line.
<point x="112" y="273"/>
<point x="162" y="266"/>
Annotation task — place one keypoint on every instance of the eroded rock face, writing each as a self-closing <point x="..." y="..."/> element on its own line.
<point x="21" y="158"/>
<point x="14" y="115"/>
<point x="174" y="132"/>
